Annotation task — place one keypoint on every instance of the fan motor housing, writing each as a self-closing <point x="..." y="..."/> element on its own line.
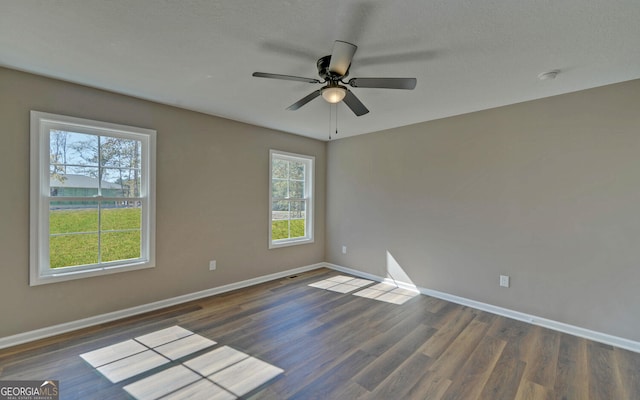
<point x="323" y="69"/>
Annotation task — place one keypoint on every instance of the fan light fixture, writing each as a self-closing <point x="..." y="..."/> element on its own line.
<point x="332" y="70"/>
<point x="334" y="94"/>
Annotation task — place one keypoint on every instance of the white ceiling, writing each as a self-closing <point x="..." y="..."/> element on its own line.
<point x="467" y="55"/>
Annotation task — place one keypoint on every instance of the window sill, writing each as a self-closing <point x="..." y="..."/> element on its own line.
<point x="290" y="242"/>
<point x="42" y="279"/>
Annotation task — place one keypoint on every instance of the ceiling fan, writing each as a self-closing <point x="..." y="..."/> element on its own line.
<point x="333" y="69"/>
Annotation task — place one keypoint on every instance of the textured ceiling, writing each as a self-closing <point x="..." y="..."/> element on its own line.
<point x="199" y="54"/>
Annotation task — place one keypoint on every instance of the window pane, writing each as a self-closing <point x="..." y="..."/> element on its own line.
<point x="73" y="233"/>
<point x="73" y="217"/>
<point x="73" y="250"/>
<point x="279" y="215"/>
<point x="282" y="205"/>
<point x="115" y="246"/>
<point x="74" y="148"/>
<point x="120" y="182"/>
<point x="280" y="169"/>
<point x="117" y="217"/>
<point x="120" y="236"/>
<point x="58" y="150"/>
<point x="279" y="230"/>
<point x="296" y="189"/>
<point x="298" y="209"/>
<point x="296" y="170"/>
<point x="297" y="228"/>
<point x="120" y="153"/>
<point x="77" y="182"/>
<point x="279" y="189"/>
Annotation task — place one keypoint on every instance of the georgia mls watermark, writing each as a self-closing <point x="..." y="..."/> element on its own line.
<point x="29" y="390"/>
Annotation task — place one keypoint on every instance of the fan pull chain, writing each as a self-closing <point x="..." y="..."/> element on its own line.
<point x="336" y="105"/>
<point x="329" y="121"/>
<point x="333" y="109"/>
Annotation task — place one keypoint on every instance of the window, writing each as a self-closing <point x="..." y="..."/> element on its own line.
<point x="92" y="198"/>
<point x="291" y="199"/>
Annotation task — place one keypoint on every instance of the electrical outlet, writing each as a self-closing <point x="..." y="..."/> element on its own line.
<point x="344" y="249"/>
<point x="212" y="265"/>
<point x="504" y="280"/>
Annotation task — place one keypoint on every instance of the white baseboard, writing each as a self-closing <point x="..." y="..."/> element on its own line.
<point x="505" y="312"/>
<point x="42" y="333"/>
<point x="54" y="330"/>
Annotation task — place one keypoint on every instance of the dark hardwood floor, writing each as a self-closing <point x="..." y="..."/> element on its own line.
<point x="341" y="346"/>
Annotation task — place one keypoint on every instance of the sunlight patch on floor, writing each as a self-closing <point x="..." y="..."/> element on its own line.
<point x="220" y="374"/>
<point x="341" y="284"/>
<point x="387" y="293"/>
<point x="382" y="291"/>
<point x="131" y="366"/>
<point x="162" y="383"/>
<point x="183" y="347"/>
<point x="163" y="336"/>
<point x="112" y="353"/>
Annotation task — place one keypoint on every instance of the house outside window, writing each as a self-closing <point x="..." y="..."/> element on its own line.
<point x="92" y="198"/>
<point x="290" y="199"/>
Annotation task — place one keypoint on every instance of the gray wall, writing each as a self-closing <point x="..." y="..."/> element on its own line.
<point x="212" y="203"/>
<point x="546" y="191"/>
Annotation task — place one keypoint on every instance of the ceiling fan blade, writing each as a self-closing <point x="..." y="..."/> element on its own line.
<point x="304" y="100"/>
<point x="354" y="104"/>
<point x="341" y="56"/>
<point x="285" y="77"/>
<point x="384" y="83"/>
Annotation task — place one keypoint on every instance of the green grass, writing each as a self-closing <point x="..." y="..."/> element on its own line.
<point x="280" y="229"/>
<point x="77" y="243"/>
<point x="71" y="250"/>
<point x="70" y="221"/>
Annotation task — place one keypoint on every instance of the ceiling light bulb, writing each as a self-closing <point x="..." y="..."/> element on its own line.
<point x="334" y="94"/>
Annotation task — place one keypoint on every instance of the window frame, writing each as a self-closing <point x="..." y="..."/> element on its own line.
<point x="40" y="197"/>
<point x="309" y="191"/>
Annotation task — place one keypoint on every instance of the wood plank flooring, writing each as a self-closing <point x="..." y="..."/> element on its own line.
<point x="340" y="346"/>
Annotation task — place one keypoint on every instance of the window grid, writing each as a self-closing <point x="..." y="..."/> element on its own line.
<point x="123" y="181"/>
<point x="99" y="198"/>
<point x="290" y="199"/>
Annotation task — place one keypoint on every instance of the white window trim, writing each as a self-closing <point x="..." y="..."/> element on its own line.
<point x="309" y="195"/>
<point x="41" y="123"/>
